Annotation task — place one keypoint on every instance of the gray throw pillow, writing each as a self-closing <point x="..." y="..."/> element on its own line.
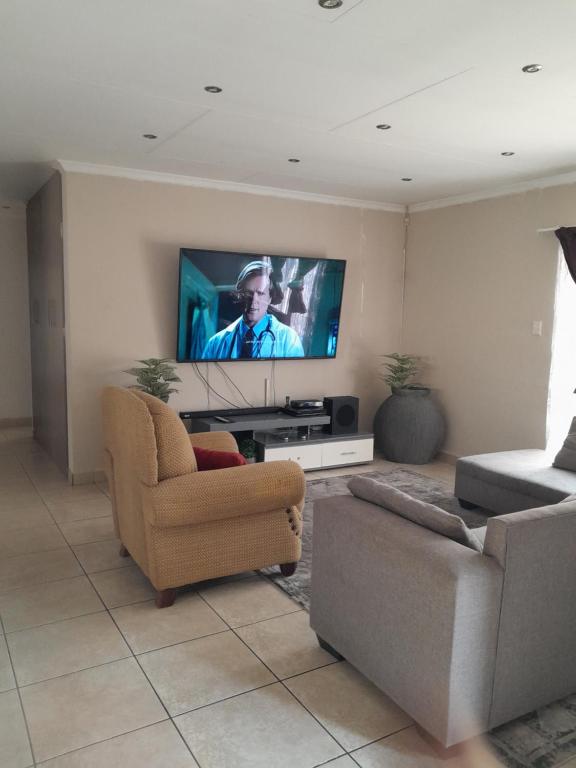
<point x="566" y="456"/>
<point x="427" y="515"/>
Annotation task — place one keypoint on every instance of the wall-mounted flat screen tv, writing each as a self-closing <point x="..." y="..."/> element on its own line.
<point x="246" y="306"/>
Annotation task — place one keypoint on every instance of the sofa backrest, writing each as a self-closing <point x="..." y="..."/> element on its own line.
<point x="535" y="659"/>
<point x="174" y="451"/>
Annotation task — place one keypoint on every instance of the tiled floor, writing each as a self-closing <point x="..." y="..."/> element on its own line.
<point x="92" y="675"/>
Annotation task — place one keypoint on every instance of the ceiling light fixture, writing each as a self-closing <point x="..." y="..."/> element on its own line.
<point x="507" y="154"/>
<point x="293" y="160"/>
<point x="531" y="68"/>
<point x="149" y="136"/>
<point x="213" y="89"/>
<point x="383" y="127"/>
<point x="330" y="5"/>
<point x="406" y="178"/>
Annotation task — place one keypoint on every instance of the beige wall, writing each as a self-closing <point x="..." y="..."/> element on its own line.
<point x="15" y="386"/>
<point x="122" y="245"/>
<point x="477" y="276"/>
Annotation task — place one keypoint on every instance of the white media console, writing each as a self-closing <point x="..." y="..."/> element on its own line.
<point x="279" y="435"/>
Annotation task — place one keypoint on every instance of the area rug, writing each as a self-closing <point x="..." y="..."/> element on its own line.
<point x="541" y="739"/>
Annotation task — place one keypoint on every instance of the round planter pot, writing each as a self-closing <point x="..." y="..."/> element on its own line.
<point x="409" y="427"/>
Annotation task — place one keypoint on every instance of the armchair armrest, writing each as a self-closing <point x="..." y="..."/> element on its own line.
<point x="224" y="493"/>
<point x="214" y="441"/>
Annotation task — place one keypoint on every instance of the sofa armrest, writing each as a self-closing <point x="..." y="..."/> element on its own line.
<point x="214" y="441"/>
<point x="224" y="493"/>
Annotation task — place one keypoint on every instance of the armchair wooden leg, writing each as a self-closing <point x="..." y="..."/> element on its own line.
<point x="123" y="551"/>
<point x="329" y="649"/>
<point x="165" y="598"/>
<point x="288" y="569"/>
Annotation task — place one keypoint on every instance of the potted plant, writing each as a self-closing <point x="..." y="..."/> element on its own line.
<point x="409" y="426"/>
<point x="155" y="377"/>
<point x="247" y="448"/>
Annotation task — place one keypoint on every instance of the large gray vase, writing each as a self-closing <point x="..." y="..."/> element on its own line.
<point x="409" y="426"/>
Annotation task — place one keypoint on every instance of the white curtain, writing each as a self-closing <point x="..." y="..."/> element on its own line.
<point x="562" y="400"/>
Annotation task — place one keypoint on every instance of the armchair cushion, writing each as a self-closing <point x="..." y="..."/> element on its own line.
<point x="419" y="512"/>
<point x="175" y="454"/>
<point x="225" y="493"/>
<point x="207" y="459"/>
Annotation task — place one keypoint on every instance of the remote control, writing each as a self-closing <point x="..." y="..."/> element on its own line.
<point x="223" y="419"/>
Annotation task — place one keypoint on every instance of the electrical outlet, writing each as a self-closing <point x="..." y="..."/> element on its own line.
<point x="536" y="327"/>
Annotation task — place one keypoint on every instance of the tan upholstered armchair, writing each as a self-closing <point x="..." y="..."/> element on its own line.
<point x="180" y="525"/>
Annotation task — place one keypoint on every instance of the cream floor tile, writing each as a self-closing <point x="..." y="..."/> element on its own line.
<point x="80" y="709"/>
<point x="29" y="540"/>
<point x="156" y="746"/>
<point x="247" y="601"/>
<point x="267" y="728"/>
<point x="340" y="762"/>
<point x="402" y="750"/>
<point x="147" y="628"/>
<point x="65" y="646"/>
<point x="286" y="644"/>
<point x="16" y="517"/>
<point x="7" y="681"/>
<point x="55" y="493"/>
<point x="348" y="705"/>
<point x="72" y="511"/>
<point x="14" y="745"/>
<point x="44" y="603"/>
<point x="25" y="570"/>
<point x="203" y="671"/>
<point x="101" y="556"/>
<point x="122" y="586"/>
<point x="85" y="531"/>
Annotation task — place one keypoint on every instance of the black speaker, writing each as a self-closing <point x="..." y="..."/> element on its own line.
<point x="343" y="412"/>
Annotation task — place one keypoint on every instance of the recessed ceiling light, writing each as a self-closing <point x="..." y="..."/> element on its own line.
<point x="406" y="178"/>
<point x="293" y="160"/>
<point x="507" y="154"/>
<point x="330" y="4"/>
<point x="149" y="136"/>
<point x="383" y="127"/>
<point x="530" y="68"/>
<point x="213" y="89"/>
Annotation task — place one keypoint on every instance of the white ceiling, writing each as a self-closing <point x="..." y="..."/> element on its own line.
<point x="83" y="80"/>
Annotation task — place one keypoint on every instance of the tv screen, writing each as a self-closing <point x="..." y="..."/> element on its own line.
<point x="246" y="306"/>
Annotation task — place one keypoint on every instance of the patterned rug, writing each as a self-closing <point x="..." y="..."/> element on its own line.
<point x="541" y="739"/>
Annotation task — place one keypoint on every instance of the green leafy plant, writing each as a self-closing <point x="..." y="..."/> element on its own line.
<point x="401" y="370"/>
<point x="247" y="448"/>
<point x="155" y="377"/>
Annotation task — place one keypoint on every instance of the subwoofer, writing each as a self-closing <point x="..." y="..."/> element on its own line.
<point x="343" y="412"/>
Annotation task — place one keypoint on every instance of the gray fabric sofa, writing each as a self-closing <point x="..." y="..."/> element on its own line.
<point x="509" y="481"/>
<point x="461" y="640"/>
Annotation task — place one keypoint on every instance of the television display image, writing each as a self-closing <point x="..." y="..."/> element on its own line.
<point x="244" y="306"/>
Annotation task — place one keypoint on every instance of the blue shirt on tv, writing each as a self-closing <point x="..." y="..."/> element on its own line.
<point x="272" y="339"/>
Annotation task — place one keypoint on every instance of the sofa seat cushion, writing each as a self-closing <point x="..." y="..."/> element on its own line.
<point x="528" y="472"/>
<point x="174" y="451"/>
<point x="427" y="515"/>
<point x="566" y="457"/>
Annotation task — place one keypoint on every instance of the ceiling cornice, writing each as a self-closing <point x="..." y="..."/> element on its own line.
<point x="511" y="189"/>
<point x="135" y="174"/>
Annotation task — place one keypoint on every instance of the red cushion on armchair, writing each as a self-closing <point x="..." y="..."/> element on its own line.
<point x="207" y="459"/>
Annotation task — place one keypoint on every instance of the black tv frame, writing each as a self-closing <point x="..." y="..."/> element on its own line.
<point x="255" y="256"/>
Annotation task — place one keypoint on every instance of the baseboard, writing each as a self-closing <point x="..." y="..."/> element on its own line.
<point x="24" y="421"/>
<point x="87" y="478"/>
<point x="447" y="458"/>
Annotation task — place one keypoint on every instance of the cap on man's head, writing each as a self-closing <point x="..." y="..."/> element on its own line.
<point x="253" y="268"/>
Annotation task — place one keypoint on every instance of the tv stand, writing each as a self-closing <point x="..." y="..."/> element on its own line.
<point x="279" y="435"/>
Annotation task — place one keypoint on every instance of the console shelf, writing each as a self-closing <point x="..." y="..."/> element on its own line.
<point x="319" y="451"/>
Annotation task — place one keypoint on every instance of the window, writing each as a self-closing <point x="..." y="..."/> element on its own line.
<point x="561" y="397"/>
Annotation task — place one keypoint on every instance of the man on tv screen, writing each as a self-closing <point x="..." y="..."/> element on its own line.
<point x="256" y="333"/>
